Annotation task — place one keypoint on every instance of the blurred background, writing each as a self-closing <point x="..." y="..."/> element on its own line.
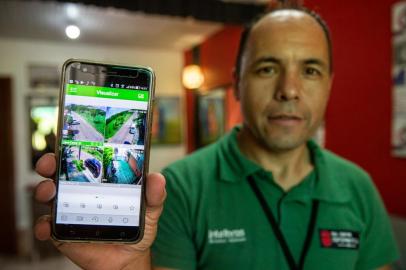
<point x="191" y="45"/>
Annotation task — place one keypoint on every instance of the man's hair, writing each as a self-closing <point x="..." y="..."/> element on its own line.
<point x="247" y="30"/>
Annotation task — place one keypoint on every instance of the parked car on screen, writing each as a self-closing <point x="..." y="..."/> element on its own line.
<point x="69" y="133"/>
<point x="94" y="166"/>
<point x="132" y="128"/>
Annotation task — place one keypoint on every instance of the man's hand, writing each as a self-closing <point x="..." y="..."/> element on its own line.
<point x="103" y="256"/>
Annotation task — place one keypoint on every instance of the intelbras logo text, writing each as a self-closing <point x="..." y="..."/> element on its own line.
<point x="223" y="236"/>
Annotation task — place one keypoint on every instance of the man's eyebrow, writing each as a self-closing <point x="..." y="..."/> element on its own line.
<point x="309" y="61"/>
<point x="271" y="59"/>
<point x="267" y="59"/>
<point x="315" y="61"/>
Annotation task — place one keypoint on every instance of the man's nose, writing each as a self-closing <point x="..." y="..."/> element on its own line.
<point x="289" y="86"/>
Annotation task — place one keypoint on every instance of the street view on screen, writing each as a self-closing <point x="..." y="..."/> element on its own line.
<point x="102" y="155"/>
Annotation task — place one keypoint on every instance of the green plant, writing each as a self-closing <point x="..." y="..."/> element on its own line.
<point x="79" y="165"/>
<point x="107" y="157"/>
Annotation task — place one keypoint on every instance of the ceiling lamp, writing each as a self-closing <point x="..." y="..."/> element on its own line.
<point x="192" y="77"/>
<point x="72" y="31"/>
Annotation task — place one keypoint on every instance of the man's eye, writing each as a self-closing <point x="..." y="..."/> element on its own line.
<point x="266" y="71"/>
<point x="309" y="71"/>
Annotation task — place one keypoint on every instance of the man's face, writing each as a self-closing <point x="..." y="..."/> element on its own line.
<point x="285" y="80"/>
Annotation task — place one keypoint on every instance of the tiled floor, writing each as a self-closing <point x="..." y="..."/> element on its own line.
<point x="56" y="263"/>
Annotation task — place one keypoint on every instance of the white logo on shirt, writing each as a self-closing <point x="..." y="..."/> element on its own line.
<point x="223" y="236"/>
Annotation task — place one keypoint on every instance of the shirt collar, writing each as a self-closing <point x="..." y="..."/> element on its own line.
<point x="236" y="167"/>
<point x="329" y="186"/>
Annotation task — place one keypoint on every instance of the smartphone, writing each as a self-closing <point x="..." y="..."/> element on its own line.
<point x="102" y="152"/>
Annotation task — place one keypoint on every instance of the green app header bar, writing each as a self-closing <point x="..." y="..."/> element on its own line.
<point x="106" y="92"/>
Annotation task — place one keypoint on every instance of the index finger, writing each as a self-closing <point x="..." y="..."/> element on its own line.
<point x="46" y="165"/>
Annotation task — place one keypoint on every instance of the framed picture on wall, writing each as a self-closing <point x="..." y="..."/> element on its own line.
<point x="166" y="124"/>
<point x="43" y="118"/>
<point x="210" y="116"/>
<point x="398" y="138"/>
<point x="43" y="76"/>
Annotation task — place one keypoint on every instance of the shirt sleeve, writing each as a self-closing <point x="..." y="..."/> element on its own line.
<point x="378" y="247"/>
<point x="174" y="246"/>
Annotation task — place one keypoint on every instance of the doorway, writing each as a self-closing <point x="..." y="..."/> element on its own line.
<point x="8" y="229"/>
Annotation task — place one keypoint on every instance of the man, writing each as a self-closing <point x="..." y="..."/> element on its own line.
<point x="264" y="196"/>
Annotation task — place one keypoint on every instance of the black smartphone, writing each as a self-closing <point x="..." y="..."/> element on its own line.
<point x="105" y="115"/>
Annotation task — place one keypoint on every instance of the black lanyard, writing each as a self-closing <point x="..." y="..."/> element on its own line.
<point x="278" y="233"/>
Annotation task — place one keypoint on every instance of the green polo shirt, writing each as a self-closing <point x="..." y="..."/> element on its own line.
<point x="213" y="220"/>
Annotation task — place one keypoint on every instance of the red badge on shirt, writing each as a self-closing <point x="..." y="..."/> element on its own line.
<point x="342" y="239"/>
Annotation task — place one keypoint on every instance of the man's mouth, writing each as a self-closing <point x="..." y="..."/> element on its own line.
<point x="285" y="119"/>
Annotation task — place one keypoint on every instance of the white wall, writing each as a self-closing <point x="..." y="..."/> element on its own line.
<point x="16" y="55"/>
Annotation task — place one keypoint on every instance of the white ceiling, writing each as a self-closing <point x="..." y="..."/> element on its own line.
<point x="103" y="26"/>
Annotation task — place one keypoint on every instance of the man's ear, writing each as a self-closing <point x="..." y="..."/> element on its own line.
<point x="235" y="83"/>
<point x="332" y="79"/>
<point x="331" y="82"/>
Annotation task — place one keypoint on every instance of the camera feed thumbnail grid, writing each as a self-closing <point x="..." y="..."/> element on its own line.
<point x="102" y="144"/>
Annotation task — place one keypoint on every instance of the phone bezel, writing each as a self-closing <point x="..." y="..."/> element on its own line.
<point x="81" y="233"/>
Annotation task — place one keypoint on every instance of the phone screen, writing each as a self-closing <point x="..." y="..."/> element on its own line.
<point x="103" y="148"/>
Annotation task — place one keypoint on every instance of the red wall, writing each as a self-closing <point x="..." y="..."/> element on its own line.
<point x="358" y="119"/>
<point x="359" y="115"/>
